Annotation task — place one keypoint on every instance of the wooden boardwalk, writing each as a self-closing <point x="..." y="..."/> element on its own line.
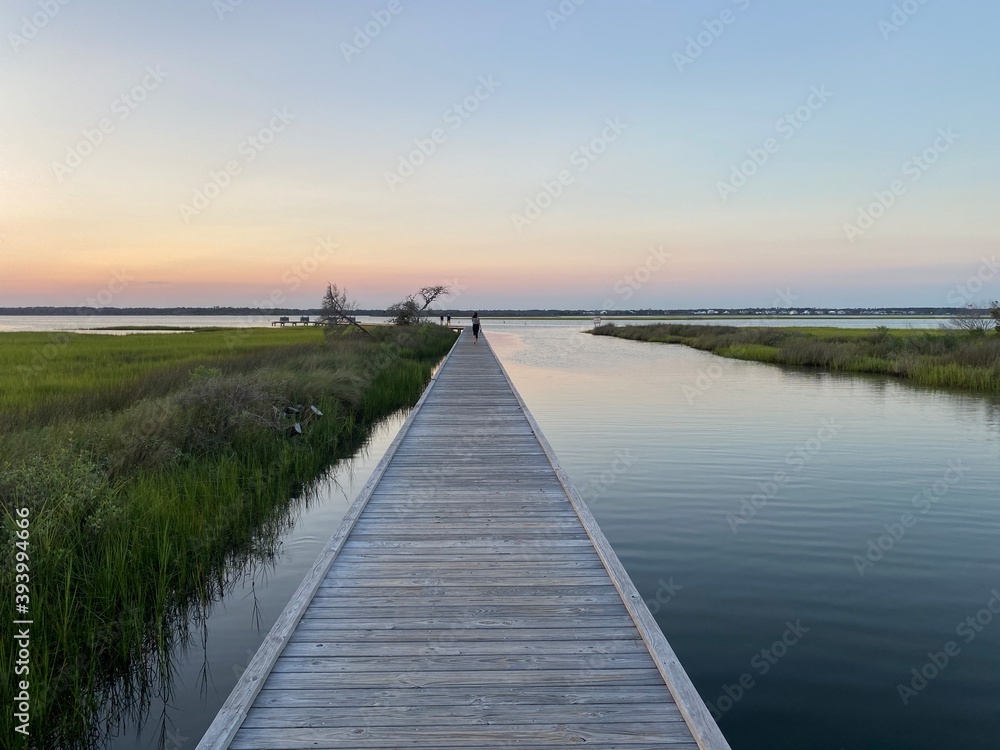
<point x="469" y="600"/>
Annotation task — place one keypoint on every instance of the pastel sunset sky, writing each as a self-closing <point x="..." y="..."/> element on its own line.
<point x="529" y="153"/>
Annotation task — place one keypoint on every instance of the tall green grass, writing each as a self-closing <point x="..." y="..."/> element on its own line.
<point x="47" y="377"/>
<point x="156" y="470"/>
<point x="952" y="359"/>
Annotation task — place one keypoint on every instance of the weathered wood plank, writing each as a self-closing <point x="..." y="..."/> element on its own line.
<point x="526" y="613"/>
<point x="465" y="678"/>
<point x="505" y="663"/>
<point x="564" y="578"/>
<point x="386" y="605"/>
<point x="329" y="620"/>
<point x="431" y="557"/>
<point x="466" y="515"/>
<point x="315" y="631"/>
<point x="478" y="592"/>
<point x="543" y="495"/>
<point x="460" y="526"/>
<point x="491" y="546"/>
<point x="331" y="648"/>
<point x="483" y="714"/>
<point x="493" y="695"/>
<point x="491" y="532"/>
<point x="668" y="733"/>
<point x="420" y="567"/>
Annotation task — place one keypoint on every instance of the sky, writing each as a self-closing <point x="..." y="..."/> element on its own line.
<point x="608" y="154"/>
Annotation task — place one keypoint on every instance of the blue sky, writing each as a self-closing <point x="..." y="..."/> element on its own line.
<point x="469" y="213"/>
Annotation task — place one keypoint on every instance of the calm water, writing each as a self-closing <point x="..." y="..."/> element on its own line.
<point x="746" y="502"/>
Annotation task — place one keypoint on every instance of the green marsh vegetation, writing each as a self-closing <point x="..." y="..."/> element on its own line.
<point x="156" y="469"/>
<point x="966" y="359"/>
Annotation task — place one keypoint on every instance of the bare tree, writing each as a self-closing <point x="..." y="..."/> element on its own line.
<point x="430" y="293"/>
<point x="976" y="319"/>
<point x="337" y="309"/>
<point x="410" y="311"/>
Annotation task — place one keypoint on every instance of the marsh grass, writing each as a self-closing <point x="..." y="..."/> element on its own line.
<point x="157" y="471"/>
<point x="49" y="377"/>
<point x="759" y="352"/>
<point x="950" y="359"/>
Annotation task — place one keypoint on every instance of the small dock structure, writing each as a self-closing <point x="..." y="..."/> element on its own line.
<point x="468" y="600"/>
<point x="303" y="320"/>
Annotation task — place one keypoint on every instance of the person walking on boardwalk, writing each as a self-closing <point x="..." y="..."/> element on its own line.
<point x="475" y="328"/>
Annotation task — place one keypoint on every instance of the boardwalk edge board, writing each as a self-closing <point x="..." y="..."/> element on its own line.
<point x="230" y="717"/>
<point x="699" y="719"/>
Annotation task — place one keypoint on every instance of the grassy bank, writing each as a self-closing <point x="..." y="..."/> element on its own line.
<point x="949" y="359"/>
<point x="155" y="468"/>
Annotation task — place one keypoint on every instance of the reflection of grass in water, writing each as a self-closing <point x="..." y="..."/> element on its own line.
<point x="952" y="359"/>
<point x="158" y="473"/>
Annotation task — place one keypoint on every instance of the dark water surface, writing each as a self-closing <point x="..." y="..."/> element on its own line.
<point x="750" y="506"/>
<point x="742" y="499"/>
